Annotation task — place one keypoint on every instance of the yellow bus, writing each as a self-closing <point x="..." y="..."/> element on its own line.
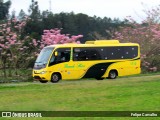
<point x="98" y="59"/>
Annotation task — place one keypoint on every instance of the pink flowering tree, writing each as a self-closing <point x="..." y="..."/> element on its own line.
<point x="13" y="46"/>
<point x="17" y="49"/>
<point x="54" y="36"/>
<point x="147" y="34"/>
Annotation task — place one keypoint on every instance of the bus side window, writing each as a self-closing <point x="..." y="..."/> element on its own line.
<point x="82" y="56"/>
<point x="93" y="54"/>
<point x="76" y="52"/>
<point x="86" y="54"/>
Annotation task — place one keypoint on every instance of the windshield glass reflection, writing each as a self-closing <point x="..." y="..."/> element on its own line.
<point x="43" y="58"/>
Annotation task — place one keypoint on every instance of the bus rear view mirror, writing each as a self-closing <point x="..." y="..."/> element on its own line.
<point x="56" y="53"/>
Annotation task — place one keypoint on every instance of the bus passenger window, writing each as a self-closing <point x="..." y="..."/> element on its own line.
<point x="82" y="55"/>
<point x="85" y="54"/>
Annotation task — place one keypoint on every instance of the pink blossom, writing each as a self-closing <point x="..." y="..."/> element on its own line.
<point x="16" y="27"/>
<point x="80" y="36"/>
<point x="12" y="42"/>
<point x="45" y="31"/>
<point x="4" y="25"/>
<point x="21" y="49"/>
<point x="2" y="45"/>
<point x="9" y="23"/>
<point x="6" y="42"/>
<point x="78" y="42"/>
<point x="42" y="46"/>
<point x="24" y="47"/>
<point x="14" y="37"/>
<point x="1" y="37"/>
<point x="8" y="54"/>
<point x="6" y="47"/>
<point x="54" y="36"/>
<point x="34" y="42"/>
<point x="8" y="30"/>
<point x="14" y="20"/>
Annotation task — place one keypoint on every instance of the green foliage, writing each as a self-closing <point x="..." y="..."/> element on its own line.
<point x="21" y="15"/>
<point x="75" y="24"/>
<point x="4" y="9"/>
<point x="34" y="11"/>
<point x="21" y="75"/>
<point x="70" y="23"/>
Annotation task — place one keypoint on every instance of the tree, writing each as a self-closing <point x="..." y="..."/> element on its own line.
<point x="22" y="15"/>
<point x="17" y="49"/>
<point x="14" y="51"/>
<point x="147" y="34"/>
<point x="13" y="15"/>
<point x="54" y="36"/>
<point x="34" y="11"/>
<point x="4" y="9"/>
<point x="34" y="27"/>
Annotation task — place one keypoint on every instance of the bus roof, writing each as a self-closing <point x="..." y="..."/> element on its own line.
<point x="95" y="43"/>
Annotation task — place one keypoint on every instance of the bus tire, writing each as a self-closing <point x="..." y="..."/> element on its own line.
<point x="112" y="74"/>
<point x="55" y="77"/>
<point x="43" y="81"/>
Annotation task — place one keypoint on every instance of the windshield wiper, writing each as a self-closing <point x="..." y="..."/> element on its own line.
<point x="42" y="63"/>
<point x="38" y="62"/>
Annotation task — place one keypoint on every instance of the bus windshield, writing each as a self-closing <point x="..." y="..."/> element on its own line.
<point x="43" y="58"/>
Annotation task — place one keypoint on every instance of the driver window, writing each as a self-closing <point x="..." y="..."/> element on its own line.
<point x="63" y="56"/>
<point x="52" y="60"/>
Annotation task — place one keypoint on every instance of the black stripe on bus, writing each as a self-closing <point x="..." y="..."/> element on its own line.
<point x="97" y="70"/>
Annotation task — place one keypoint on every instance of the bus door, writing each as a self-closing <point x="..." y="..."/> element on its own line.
<point x="60" y="62"/>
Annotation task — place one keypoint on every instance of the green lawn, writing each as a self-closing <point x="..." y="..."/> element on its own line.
<point x="123" y="94"/>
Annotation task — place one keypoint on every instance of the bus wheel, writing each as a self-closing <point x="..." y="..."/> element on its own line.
<point x="99" y="78"/>
<point x="112" y="74"/>
<point x="55" y="77"/>
<point x="43" y="81"/>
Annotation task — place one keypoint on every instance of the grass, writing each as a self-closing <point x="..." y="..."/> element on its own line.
<point x="138" y="93"/>
<point x="23" y="75"/>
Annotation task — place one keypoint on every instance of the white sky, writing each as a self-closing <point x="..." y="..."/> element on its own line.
<point x="100" y="8"/>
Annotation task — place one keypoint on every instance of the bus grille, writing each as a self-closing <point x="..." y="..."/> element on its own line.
<point x="37" y="78"/>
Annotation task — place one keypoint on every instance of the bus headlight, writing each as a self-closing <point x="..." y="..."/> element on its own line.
<point x="43" y="72"/>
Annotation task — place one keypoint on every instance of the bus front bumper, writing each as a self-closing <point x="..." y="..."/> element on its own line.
<point x="42" y="75"/>
<point x="36" y="77"/>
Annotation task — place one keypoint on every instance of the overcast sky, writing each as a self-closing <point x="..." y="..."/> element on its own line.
<point x="101" y="8"/>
